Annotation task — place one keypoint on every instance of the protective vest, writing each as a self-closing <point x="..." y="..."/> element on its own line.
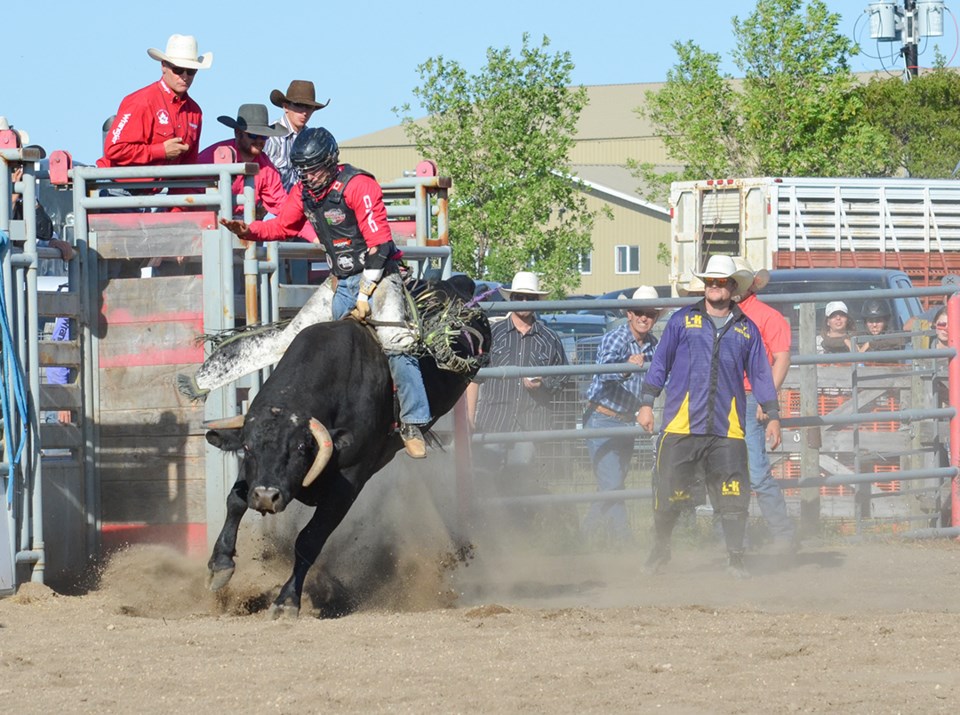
<point x="336" y="225"/>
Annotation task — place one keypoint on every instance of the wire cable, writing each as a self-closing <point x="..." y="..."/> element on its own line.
<point x="11" y="372"/>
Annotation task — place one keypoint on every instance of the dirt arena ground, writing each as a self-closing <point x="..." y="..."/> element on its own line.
<point x="852" y="628"/>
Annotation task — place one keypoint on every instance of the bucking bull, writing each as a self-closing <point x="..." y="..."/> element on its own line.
<point x="324" y="423"/>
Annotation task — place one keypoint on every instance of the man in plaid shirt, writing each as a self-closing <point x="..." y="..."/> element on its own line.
<point x="613" y="401"/>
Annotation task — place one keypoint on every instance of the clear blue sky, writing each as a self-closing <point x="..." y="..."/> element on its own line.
<point x="67" y="65"/>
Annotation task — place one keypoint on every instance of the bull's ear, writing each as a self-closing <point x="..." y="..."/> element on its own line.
<point x="226" y="439"/>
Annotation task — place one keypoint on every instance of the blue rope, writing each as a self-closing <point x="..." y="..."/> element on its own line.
<point x="12" y="374"/>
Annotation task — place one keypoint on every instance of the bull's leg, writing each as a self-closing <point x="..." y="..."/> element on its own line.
<point x="221" y="565"/>
<point x="327" y="517"/>
<point x="258" y="350"/>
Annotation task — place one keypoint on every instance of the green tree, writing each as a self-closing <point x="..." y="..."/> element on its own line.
<point x="919" y="119"/>
<point x="794" y="113"/>
<point x="504" y="135"/>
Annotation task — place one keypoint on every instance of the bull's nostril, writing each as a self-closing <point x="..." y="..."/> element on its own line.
<point x="265" y="499"/>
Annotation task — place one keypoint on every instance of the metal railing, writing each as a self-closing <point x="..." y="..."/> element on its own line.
<point x="811" y="479"/>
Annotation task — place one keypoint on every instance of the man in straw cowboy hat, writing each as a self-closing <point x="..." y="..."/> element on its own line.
<point x="298" y="105"/>
<point x="613" y="400"/>
<point x="703" y="354"/>
<point x="250" y="133"/>
<point x="161" y="123"/>
<point x="517" y="404"/>
<point x="775" y="333"/>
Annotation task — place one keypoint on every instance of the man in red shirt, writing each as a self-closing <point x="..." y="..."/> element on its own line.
<point x="775" y="333"/>
<point x="345" y="207"/>
<point x="250" y="132"/>
<point x="160" y="124"/>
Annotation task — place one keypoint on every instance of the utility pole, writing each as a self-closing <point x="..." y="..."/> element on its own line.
<point x="910" y="38"/>
<point x="890" y="21"/>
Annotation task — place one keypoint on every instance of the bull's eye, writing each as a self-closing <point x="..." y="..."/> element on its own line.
<point x="302" y="447"/>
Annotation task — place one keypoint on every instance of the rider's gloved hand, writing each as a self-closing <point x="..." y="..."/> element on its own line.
<point x="362" y="309"/>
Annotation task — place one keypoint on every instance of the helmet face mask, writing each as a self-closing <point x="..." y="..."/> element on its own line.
<point x="316" y="156"/>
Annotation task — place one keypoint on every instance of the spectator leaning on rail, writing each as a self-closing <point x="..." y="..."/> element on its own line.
<point x="250" y="133"/>
<point x="703" y="353"/>
<point x="298" y="105"/>
<point x="613" y="400"/>
<point x="345" y="206"/>
<point x="775" y="333"/>
<point x="160" y="124"/>
<point x="516" y="404"/>
<point x="835" y="335"/>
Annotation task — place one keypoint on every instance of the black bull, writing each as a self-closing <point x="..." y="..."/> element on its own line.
<point x="320" y="427"/>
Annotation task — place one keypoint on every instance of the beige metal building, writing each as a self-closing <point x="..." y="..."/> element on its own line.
<point x="608" y="134"/>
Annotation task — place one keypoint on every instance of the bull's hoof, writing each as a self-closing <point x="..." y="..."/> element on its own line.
<point x="218" y="579"/>
<point x="278" y="611"/>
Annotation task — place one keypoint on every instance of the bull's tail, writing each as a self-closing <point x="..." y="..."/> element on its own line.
<point x="187" y="385"/>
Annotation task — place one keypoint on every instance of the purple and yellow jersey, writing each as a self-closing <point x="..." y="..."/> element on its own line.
<point x="705" y="366"/>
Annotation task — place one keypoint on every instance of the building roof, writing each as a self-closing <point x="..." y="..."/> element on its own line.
<point x="609" y="114"/>
<point x="615" y="183"/>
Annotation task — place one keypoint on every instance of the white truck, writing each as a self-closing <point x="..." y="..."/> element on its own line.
<point x="912" y="225"/>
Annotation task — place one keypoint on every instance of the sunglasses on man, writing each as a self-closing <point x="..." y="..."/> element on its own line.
<point x="180" y="71"/>
<point x="716" y="282"/>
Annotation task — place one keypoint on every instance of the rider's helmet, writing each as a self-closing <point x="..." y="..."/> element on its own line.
<point x="875" y="309"/>
<point x="315" y="152"/>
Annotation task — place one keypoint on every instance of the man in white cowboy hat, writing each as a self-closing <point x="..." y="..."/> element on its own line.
<point x="775" y="333"/>
<point x="161" y="123"/>
<point x="517" y="404"/>
<point x="250" y="133"/>
<point x="704" y="352"/>
<point x="613" y="400"/>
<point x="298" y="105"/>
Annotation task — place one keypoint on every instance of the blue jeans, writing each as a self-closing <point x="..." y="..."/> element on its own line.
<point x="405" y="369"/>
<point x="773" y="507"/>
<point x="610" y="457"/>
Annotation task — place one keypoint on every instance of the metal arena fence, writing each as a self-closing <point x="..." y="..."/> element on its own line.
<point x="865" y="443"/>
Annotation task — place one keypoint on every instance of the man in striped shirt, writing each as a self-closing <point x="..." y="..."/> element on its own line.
<point x="517" y="404"/>
<point x="613" y="400"/>
<point x="298" y="105"/>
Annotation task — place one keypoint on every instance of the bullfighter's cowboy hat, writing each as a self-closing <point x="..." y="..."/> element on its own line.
<point x="723" y="267"/>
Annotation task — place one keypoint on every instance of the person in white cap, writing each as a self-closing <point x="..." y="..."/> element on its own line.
<point x="704" y="352"/>
<point x="613" y="400"/>
<point x="161" y="123"/>
<point x="835" y="335"/>
<point x="775" y="332"/>
<point x="517" y="404"/>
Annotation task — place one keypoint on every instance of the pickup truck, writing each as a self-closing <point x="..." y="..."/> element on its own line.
<point x="827" y="280"/>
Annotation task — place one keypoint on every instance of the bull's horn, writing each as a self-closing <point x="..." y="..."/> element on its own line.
<point x="235" y="422"/>
<point x="324" y="450"/>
